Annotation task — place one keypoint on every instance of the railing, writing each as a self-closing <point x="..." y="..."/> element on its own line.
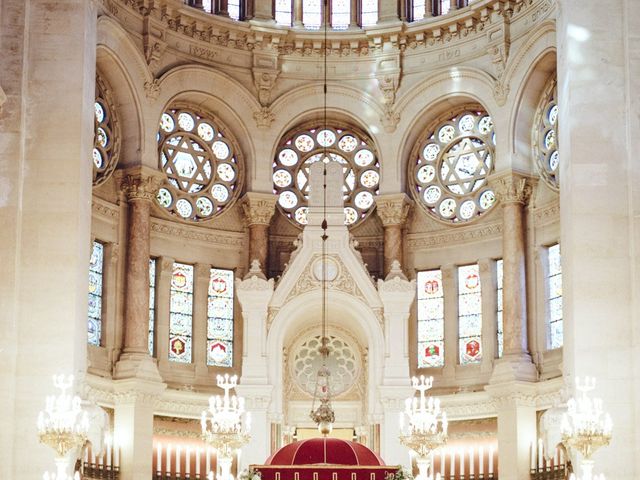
<point x="92" y="471"/>
<point x="545" y="467"/>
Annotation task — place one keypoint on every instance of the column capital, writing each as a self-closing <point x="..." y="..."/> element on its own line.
<point x="513" y="187"/>
<point x="139" y="183"/>
<point x="393" y="209"/>
<point x="258" y="207"/>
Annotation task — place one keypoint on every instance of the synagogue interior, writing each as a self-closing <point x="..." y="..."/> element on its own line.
<point x="319" y="239"/>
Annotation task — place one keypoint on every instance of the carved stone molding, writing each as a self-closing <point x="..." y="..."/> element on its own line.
<point x="3" y="98"/>
<point x="513" y="188"/>
<point x="152" y="89"/>
<point x="264" y="117"/>
<point x="139" y="183"/>
<point x="547" y="214"/>
<point x="416" y="242"/>
<point x="258" y="207"/>
<point x="104" y="209"/>
<point x="393" y="209"/>
<point x="225" y="239"/>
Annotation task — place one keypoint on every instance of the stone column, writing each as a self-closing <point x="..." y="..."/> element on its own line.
<point x="392" y="399"/>
<point x="163" y="295"/>
<point x="297" y="13"/>
<point x="489" y="342"/>
<point x="393" y="211"/>
<point x="353" y="14"/>
<point x="515" y="404"/>
<point x="388" y="11"/>
<point x="258" y="209"/>
<point x="222" y="8"/>
<point x="513" y="191"/>
<point x="262" y="10"/>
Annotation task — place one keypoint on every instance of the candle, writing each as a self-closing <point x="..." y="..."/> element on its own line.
<point x="471" y="465"/>
<point x="452" y="458"/>
<point x="116" y="455"/>
<point x="442" y="461"/>
<point x="198" y="463"/>
<point x="168" y="466"/>
<point x="561" y="462"/>
<point x="540" y="455"/>
<point x="188" y="465"/>
<point x="481" y="461"/>
<point x="208" y="460"/>
<point x="108" y="452"/>
<point x="101" y="458"/>
<point x="86" y="455"/>
<point x="532" y="450"/>
<point x="461" y="462"/>
<point x="491" y="460"/>
<point x="178" y="452"/>
<point x="159" y="458"/>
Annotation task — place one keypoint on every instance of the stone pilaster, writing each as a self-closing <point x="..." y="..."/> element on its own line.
<point x="258" y="209"/>
<point x="393" y="211"/>
<point x="513" y="191"/>
<point x="392" y="399"/>
<point x="139" y="186"/>
<point x="388" y="12"/>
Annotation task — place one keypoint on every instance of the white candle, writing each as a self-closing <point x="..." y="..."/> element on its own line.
<point x="168" y="459"/>
<point x="108" y="453"/>
<point x="159" y="458"/>
<point x="178" y="452"/>
<point x="561" y="462"/>
<point x="462" y="463"/>
<point x="452" y="458"/>
<point x="557" y="458"/>
<point x="101" y="458"/>
<point x="187" y="469"/>
<point x="532" y="450"/>
<point x="208" y="460"/>
<point x="442" y="461"/>
<point x="86" y="454"/>
<point x="491" y="460"/>
<point x="540" y="455"/>
<point x="471" y="465"/>
<point x="93" y="456"/>
<point x="116" y="454"/>
<point x="198" y="463"/>
<point x="481" y="461"/>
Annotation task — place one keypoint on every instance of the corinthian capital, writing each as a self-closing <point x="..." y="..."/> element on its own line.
<point x="393" y="209"/>
<point x="513" y="188"/>
<point x="139" y="183"/>
<point x="258" y="207"/>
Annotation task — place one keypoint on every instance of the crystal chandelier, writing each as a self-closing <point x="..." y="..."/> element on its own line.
<point x="586" y="427"/>
<point x="226" y="424"/>
<point x="426" y="430"/>
<point x="323" y="415"/>
<point x="62" y="425"/>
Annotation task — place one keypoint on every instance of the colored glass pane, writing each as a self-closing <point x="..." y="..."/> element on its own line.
<point x="340" y="14"/>
<point x="469" y="314"/>
<point x="545" y="135"/>
<point x="181" y="313"/>
<point x="312" y="14"/>
<point x="554" y="292"/>
<point x="152" y="305"/>
<point x="234" y="9"/>
<point x="369" y="14"/>
<point x="430" y="319"/>
<point x="94" y="314"/>
<point x="220" y="318"/>
<point x="499" y="309"/>
<point x="106" y="140"/>
<point x="419" y="9"/>
<point x="283" y="12"/>
<point x="444" y="6"/>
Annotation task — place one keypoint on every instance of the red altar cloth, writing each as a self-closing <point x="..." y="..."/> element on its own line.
<point x="324" y="459"/>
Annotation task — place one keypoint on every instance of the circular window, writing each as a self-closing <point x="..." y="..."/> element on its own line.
<point x="296" y="154"/>
<point x="450" y="172"/>
<point x="106" y="139"/>
<point x="545" y="136"/>
<point x="343" y="363"/>
<point x="202" y="170"/>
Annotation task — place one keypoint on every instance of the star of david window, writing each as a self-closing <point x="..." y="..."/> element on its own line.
<point x="451" y="166"/>
<point x="299" y="150"/>
<point x="202" y="166"/>
<point x="545" y="136"/>
<point x="106" y="140"/>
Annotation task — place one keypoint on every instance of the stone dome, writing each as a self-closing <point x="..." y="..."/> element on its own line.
<point x="332" y="451"/>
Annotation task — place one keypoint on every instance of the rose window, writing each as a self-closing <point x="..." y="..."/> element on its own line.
<point x="354" y="151"/>
<point x="342" y="362"/>
<point x="545" y="136"/>
<point x="106" y="140"/>
<point x="449" y="175"/>
<point x="201" y="166"/>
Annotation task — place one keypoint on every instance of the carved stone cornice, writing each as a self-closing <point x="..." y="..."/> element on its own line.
<point x="3" y="98"/>
<point x="139" y="183"/>
<point x="104" y="209"/>
<point x="419" y="241"/>
<point x="513" y="188"/>
<point x="258" y="208"/>
<point x="212" y="237"/>
<point x="393" y="209"/>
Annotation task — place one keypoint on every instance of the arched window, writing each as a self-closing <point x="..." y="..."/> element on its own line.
<point x="430" y="296"/>
<point x="554" y="297"/>
<point x="300" y="149"/>
<point x="106" y="140"/>
<point x="152" y="306"/>
<point x="201" y="164"/>
<point x="450" y="168"/>
<point x="545" y="136"/>
<point x="181" y="313"/>
<point x="369" y="13"/>
<point x="220" y="318"/>
<point x="312" y="14"/>
<point x="469" y="314"/>
<point x="96" y="282"/>
<point x="283" y="11"/>
<point x="340" y="14"/>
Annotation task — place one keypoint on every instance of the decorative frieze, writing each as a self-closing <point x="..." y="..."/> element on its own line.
<point x="258" y="207"/>
<point x="416" y="242"/>
<point x="393" y="209"/>
<point x="513" y="188"/>
<point x="139" y="184"/>
<point x="226" y="239"/>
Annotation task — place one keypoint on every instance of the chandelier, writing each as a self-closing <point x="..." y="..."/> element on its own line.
<point x="323" y="415"/>
<point x="226" y="424"/>
<point x="585" y="426"/>
<point x="426" y="429"/>
<point x="62" y="425"/>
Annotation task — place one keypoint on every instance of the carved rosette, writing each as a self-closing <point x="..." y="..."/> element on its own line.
<point x="393" y="209"/>
<point x="139" y="185"/>
<point x="513" y="188"/>
<point x="258" y="208"/>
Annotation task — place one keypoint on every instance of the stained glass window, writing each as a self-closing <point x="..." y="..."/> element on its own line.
<point x="96" y="271"/>
<point x="545" y="136"/>
<point x="419" y="9"/>
<point x="234" y="9"/>
<point x="181" y="313"/>
<point x="220" y="318"/>
<point x="207" y="5"/>
<point x="152" y="305"/>
<point x="300" y="149"/>
<point x="106" y="140"/>
<point x="469" y="314"/>
<point x="444" y="6"/>
<point x="201" y="165"/>
<point x="554" y="285"/>
<point x="312" y="14"/>
<point x="430" y="319"/>
<point x="369" y="14"/>
<point x="283" y="11"/>
<point x="340" y="14"/>
<point x="451" y="167"/>
<point x="499" y="309"/>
